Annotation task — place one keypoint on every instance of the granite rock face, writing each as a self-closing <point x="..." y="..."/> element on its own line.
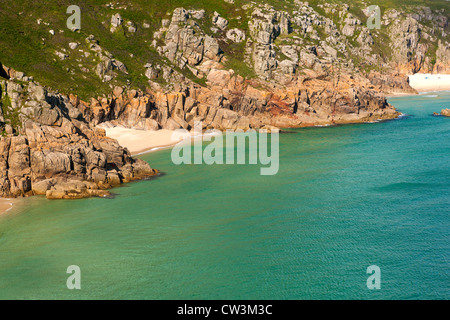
<point x="185" y="42"/>
<point x="291" y="60"/>
<point x="52" y="150"/>
<point x="230" y="102"/>
<point x="306" y="68"/>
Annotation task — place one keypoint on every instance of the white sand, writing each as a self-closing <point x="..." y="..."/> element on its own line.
<point x="140" y="141"/>
<point x="5" y="205"/>
<point x="423" y="82"/>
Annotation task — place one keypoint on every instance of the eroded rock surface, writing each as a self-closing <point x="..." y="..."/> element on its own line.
<point x="52" y="150"/>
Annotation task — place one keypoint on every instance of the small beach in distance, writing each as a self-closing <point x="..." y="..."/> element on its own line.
<point x="425" y="82"/>
<point x="141" y="141"/>
<point x="144" y="141"/>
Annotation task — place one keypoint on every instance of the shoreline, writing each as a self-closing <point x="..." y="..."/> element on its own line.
<point x="6" y="204"/>
<point x="190" y="138"/>
<point x="140" y="142"/>
<point x="400" y="94"/>
<point x="419" y="93"/>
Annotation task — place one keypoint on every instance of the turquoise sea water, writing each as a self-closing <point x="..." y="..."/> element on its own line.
<point x="345" y="198"/>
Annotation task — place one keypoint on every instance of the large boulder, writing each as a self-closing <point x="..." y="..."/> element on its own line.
<point x="41" y="187"/>
<point x="116" y="21"/>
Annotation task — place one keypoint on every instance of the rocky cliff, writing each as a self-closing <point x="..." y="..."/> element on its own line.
<point x="233" y="64"/>
<point x="48" y="148"/>
<point x="149" y="65"/>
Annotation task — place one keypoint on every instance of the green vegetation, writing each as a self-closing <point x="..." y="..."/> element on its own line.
<point x="28" y="46"/>
<point x="235" y="59"/>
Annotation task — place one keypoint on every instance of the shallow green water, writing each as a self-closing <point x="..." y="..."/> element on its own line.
<point x="345" y="198"/>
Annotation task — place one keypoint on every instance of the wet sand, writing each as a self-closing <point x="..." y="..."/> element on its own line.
<point x="6" y="205"/>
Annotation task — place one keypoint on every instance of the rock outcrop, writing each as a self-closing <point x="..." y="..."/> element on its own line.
<point x="50" y="149"/>
<point x="186" y="45"/>
<point x="230" y="102"/>
<point x="445" y="112"/>
<point x="393" y="83"/>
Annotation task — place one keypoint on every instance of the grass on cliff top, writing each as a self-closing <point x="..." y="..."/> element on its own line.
<point x="29" y="47"/>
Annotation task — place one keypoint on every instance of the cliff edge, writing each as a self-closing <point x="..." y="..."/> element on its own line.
<point x="48" y="148"/>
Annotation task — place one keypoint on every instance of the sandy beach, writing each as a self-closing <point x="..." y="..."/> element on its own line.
<point x="141" y="141"/>
<point x="423" y="82"/>
<point x="5" y="205"/>
<point x="397" y="94"/>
